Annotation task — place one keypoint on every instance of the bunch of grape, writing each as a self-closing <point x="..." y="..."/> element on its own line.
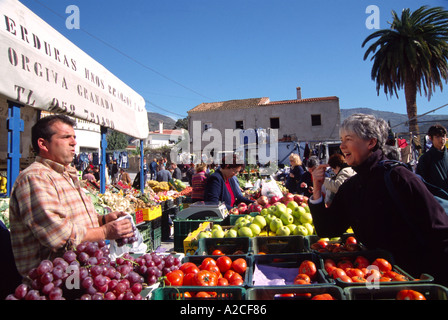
<point x="122" y="241"/>
<point x="152" y="266"/>
<point x="89" y="265"/>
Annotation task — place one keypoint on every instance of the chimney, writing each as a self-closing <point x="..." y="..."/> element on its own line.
<point x="160" y="126"/>
<point x="299" y="93"/>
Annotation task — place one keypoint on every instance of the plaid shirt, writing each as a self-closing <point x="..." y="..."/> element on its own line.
<point x="49" y="213"/>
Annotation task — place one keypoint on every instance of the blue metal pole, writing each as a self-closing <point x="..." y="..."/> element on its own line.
<point x="15" y="125"/>
<point x="103" y="145"/>
<point x="142" y="180"/>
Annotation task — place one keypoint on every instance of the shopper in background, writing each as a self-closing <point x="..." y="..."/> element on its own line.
<point x="198" y="182"/>
<point x="295" y="173"/>
<point x="342" y="171"/>
<point x="433" y="164"/>
<point x="411" y="225"/>
<point x="49" y="211"/>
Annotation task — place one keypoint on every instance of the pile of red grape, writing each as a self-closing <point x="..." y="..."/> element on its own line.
<point x="88" y="273"/>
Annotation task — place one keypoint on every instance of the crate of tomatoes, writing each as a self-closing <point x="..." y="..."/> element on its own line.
<point x="219" y="274"/>
<point x="398" y="292"/>
<point x="286" y="269"/>
<point x="306" y="292"/>
<point x="370" y="268"/>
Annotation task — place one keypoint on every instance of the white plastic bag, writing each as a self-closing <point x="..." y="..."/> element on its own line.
<point x="269" y="188"/>
<point x="137" y="247"/>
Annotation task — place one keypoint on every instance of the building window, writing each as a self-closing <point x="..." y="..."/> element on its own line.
<point x="207" y="126"/>
<point x="275" y="123"/>
<point x="239" y="125"/>
<point x="316" y="120"/>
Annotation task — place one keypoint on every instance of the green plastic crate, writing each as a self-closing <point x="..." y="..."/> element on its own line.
<point x="429" y="291"/>
<point x="177" y="293"/>
<point x="182" y="227"/>
<point x="228" y="246"/>
<point x="156" y="238"/>
<point x="295" y="292"/>
<point x="145" y="230"/>
<point x="279" y="244"/>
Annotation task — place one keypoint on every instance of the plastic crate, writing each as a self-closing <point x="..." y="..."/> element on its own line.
<point x="296" y="292"/>
<point x="278" y="244"/>
<point x="228" y="246"/>
<point x="183" y="227"/>
<point x="371" y="255"/>
<point x="314" y="238"/>
<point x="429" y="291"/>
<point x="156" y="238"/>
<point x="145" y="230"/>
<point x="177" y="293"/>
<point x="197" y="260"/>
<point x="281" y="269"/>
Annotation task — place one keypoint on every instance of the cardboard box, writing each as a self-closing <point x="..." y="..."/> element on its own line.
<point x="191" y="242"/>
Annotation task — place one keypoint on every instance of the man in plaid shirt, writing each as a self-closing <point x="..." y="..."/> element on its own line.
<point x="49" y="212"/>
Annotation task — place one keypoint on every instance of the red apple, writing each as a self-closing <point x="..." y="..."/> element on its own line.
<point x="242" y="208"/>
<point x="287" y="198"/>
<point x="298" y="198"/>
<point x="255" y="207"/>
<point x="274" y="199"/>
<point x="234" y="211"/>
<point x="263" y="200"/>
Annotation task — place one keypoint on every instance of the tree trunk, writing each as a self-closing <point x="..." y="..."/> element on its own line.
<point x="410" y="92"/>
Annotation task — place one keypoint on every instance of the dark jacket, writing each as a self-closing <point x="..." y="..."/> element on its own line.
<point x="433" y="167"/>
<point x="364" y="203"/>
<point x="292" y="184"/>
<point x="216" y="190"/>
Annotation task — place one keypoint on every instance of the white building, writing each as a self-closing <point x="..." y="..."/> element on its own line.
<point x="304" y="120"/>
<point x="163" y="137"/>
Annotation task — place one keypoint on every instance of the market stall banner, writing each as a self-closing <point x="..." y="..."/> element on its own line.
<point x="43" y="69"/>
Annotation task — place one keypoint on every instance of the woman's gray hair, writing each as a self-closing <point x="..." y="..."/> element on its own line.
<point x="366" y="127"/>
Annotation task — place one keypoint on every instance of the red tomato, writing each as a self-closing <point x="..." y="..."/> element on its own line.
<point x="345" y="264"/>
<point x="354" y="272"/>
<point x="202" y="294"/>
<point x="207" y="262"/>
<point x="174" y="278"/>
<point x="372" y="275"/>
<point x="399" y="277"/>
<point x="224" y="263"/>
<point x="358" y="279"/>
<point x="223" y="282"/>
<point x="361" y="262"/>
<point x="385" y="279"/>
<point x="239" y="265"/>
<point x="236" y="279"/>
<point x="322" y="243"/>
<point x="206" y="278"/>
<point x="345" y="278"/>
<point x="329" y="265"/>
<point x="382" y="264"/>
<point x="337" y="273"/>
<point x="189" y="267"/>
<point x="351" y="240"/>
<point x="301" y="277"/>
<point x="309" y="268"/>
<point x="229" y="273"/>
<point x="189" y="279"/>
<point x="324" y="296"/>
<point x="217" y="252"/>
<point x="410" y="295"/>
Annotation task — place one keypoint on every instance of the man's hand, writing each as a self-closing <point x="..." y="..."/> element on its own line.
<point x="116" y="229"/>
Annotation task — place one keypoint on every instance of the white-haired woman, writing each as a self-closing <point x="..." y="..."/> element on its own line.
<point x="417" y="236"/>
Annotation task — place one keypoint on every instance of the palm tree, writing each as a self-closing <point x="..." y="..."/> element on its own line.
<point x="412" y="54"/>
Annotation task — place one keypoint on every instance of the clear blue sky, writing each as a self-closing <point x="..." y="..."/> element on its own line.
<point x="180" y="53"/>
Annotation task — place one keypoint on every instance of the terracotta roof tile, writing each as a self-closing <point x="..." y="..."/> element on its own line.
<point x="250" y="103"/>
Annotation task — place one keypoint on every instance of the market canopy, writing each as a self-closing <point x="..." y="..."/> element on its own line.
<point x="44" y="70"/>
